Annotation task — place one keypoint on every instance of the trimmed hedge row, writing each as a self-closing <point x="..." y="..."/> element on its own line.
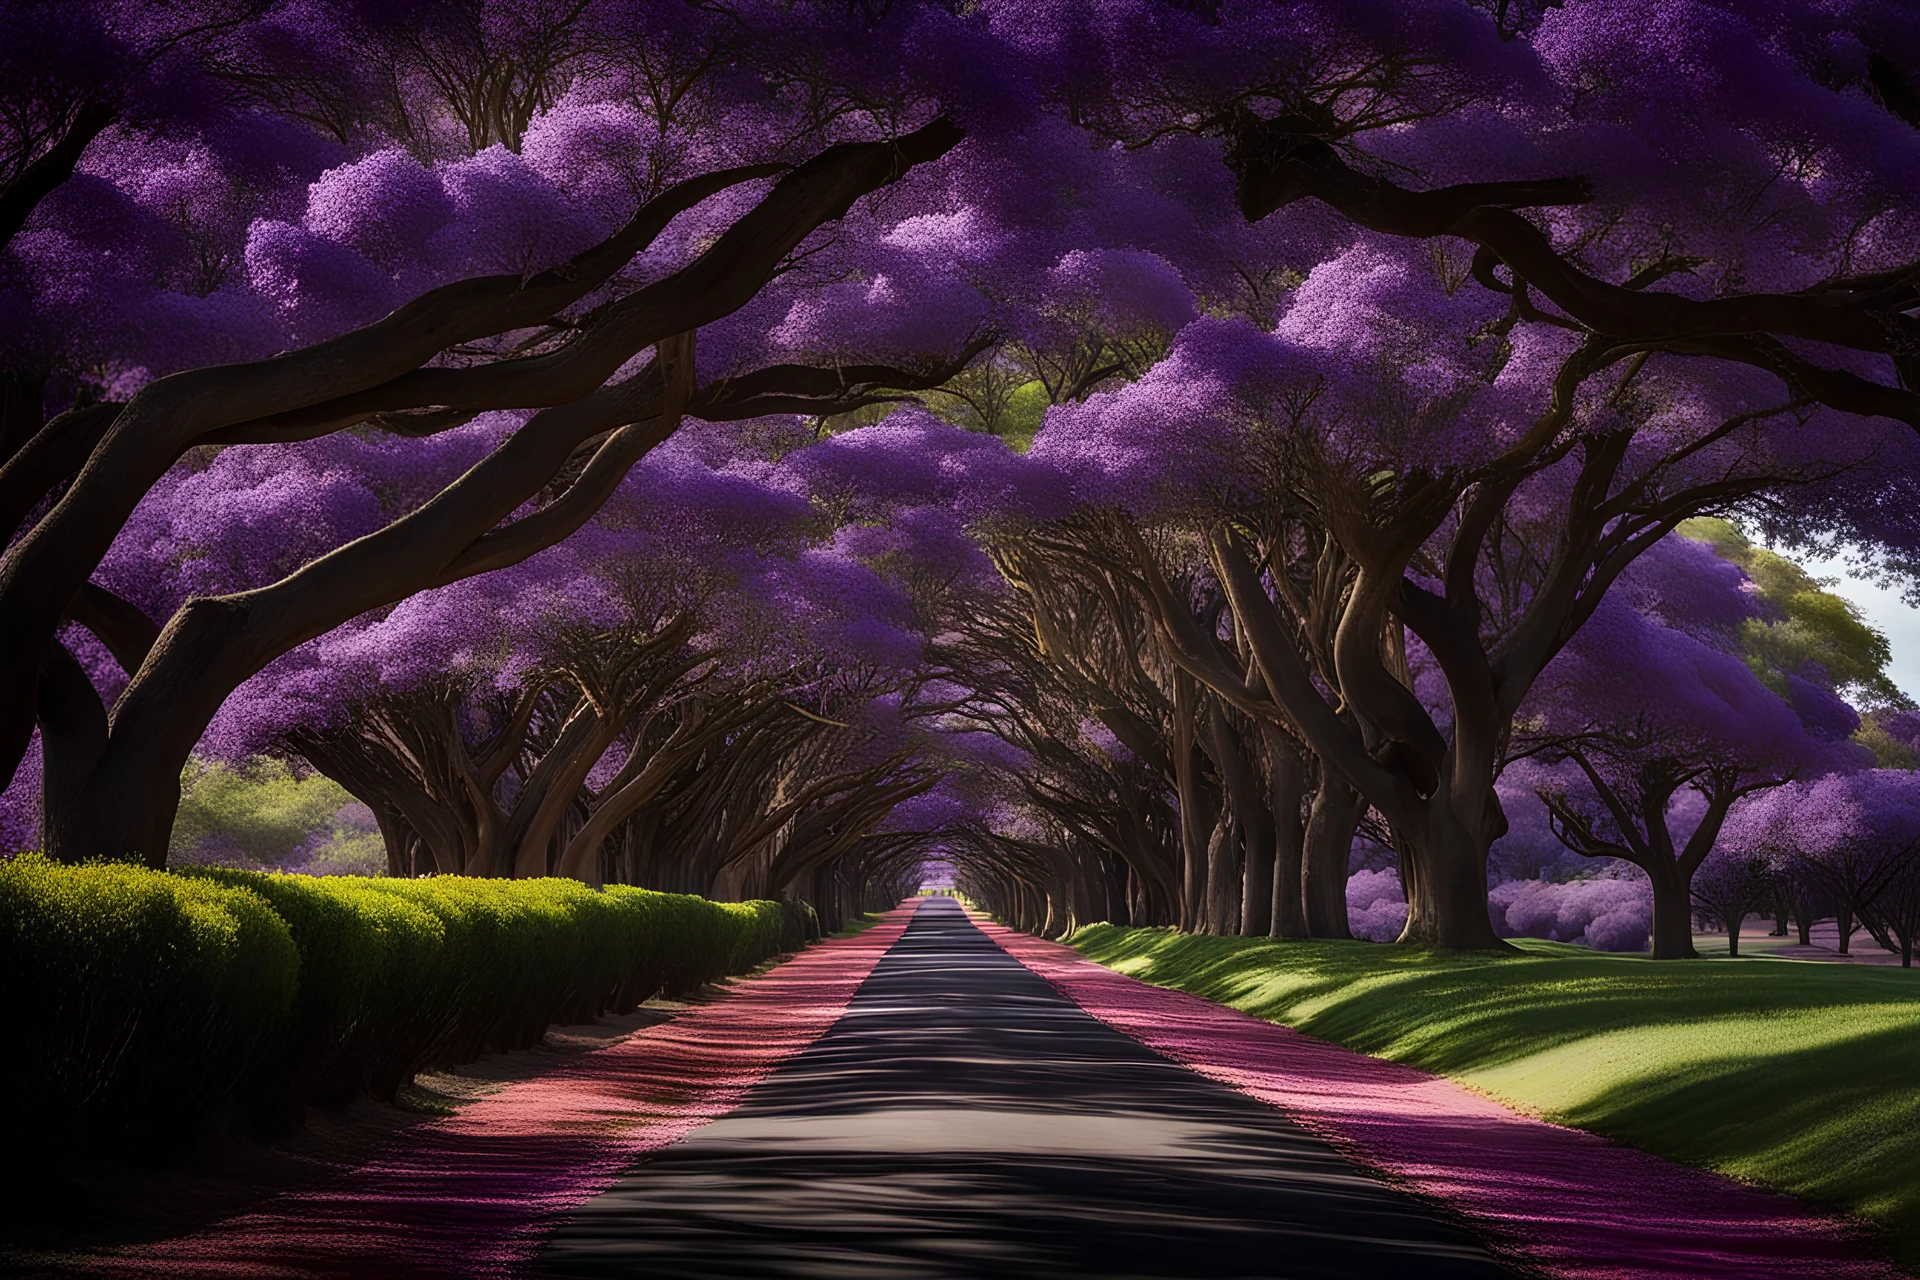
<point x="147" y="1004"/>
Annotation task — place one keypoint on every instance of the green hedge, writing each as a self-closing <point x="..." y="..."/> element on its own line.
<point x="148" y="1003"/>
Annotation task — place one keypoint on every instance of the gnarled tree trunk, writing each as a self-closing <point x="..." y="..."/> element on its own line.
<point x="1329" y="844"/>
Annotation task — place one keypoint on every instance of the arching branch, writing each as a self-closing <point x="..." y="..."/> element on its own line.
<point x="1277" y="167"/>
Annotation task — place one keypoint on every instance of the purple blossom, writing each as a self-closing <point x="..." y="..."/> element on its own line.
<point x="1605" y="914"/>
<point x="20" y="805"/>
<point x="1123" y="291"/>
<point x="1174" y="437"/>
<point x="321" y="288"/>
<point x="912" y="459"/>
<point x="506" y="218"/>
<point x="1626" y="674"/>
<point x="385" y="208"/>
<point x="1376" y="905"/>
<point x="1825" y="713"/>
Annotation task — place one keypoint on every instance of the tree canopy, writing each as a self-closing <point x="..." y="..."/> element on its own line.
<point x="1137" y="454"/>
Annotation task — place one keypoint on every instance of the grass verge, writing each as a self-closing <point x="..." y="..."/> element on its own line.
<point x="1804" y="1078"/>
<point x="859" y="924"/>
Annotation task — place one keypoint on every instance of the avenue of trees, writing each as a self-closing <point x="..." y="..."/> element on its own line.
<point x="1166" y="463"/>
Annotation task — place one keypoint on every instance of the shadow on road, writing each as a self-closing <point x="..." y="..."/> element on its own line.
<point x="963" y="1118"/>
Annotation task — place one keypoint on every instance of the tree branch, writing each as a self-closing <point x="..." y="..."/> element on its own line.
<point x="119" y="624"/>
<point x="51" y="168"/>
<point x="1276" y="168"/>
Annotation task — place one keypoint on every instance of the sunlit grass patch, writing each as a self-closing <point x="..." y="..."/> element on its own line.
<point x="859" y="924"/>
<point x="1805" y="1078"/>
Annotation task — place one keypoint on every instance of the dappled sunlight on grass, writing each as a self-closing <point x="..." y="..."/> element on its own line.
<point x="1801" y="1077"/>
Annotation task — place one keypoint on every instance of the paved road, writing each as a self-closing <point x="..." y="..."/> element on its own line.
<point x="965" y="1119"/>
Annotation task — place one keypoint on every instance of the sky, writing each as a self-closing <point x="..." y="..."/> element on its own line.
<point x="1884" y="609"/>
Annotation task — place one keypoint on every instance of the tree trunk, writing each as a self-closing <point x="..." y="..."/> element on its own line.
<point x="1196" y="811"/>
<point x="1119" y="898"/>
<point x="1250" y="856"/>
<point x="1223" y="876"/>
<point x="1256" y="898"/>
<point x="1445" y="873"/>
<point x="1287" y="784"/>
<point x="398" y="839"/>
<point x="1672" y="913"/>
<point x="1843" y="927"/>
<point x="1734" y="921"/>
<point x="73" y="736"/>
<point x="1329" y="843"/>
<point x="1877" y="929"/>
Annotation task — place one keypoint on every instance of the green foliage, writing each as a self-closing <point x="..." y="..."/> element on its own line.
<point x="357" y="1014"/>
<point x="135" y="1000"/>
<point x="349" y="853"/>
<point x="153" y="1002"/>
<point x="1026" y="406"/>
<point x="1888" y="751"/>
<point x="1808" y="624"/>
<point x="861" y="923"/>
<point x="996" y="397"/>
<point x="263" y="806"/>
<point x="1797" y="1076"/>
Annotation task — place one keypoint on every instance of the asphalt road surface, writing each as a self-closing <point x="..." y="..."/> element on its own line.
<point x="962" y="1119"/>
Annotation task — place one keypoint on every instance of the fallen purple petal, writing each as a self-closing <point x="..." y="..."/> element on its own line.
<point x="1572" y="1204"/>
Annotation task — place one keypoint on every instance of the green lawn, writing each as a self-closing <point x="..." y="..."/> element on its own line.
<point x="1802" y="1077"/>
<point x="859" y="924"/>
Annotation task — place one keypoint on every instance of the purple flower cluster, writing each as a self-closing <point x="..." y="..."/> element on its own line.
<point x="1376" y="905"/>
<point x="1605" y="914"/>
<point x="1208" y="370"/>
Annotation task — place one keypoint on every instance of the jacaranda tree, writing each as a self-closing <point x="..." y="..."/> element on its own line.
<point x="1363" y="350"/>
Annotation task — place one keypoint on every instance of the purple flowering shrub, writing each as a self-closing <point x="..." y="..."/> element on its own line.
<point x="1376" y="905"/>
<point x="1605" y="914"/>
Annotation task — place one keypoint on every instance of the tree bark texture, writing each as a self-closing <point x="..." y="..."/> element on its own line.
<point x="1334" y="817"/>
